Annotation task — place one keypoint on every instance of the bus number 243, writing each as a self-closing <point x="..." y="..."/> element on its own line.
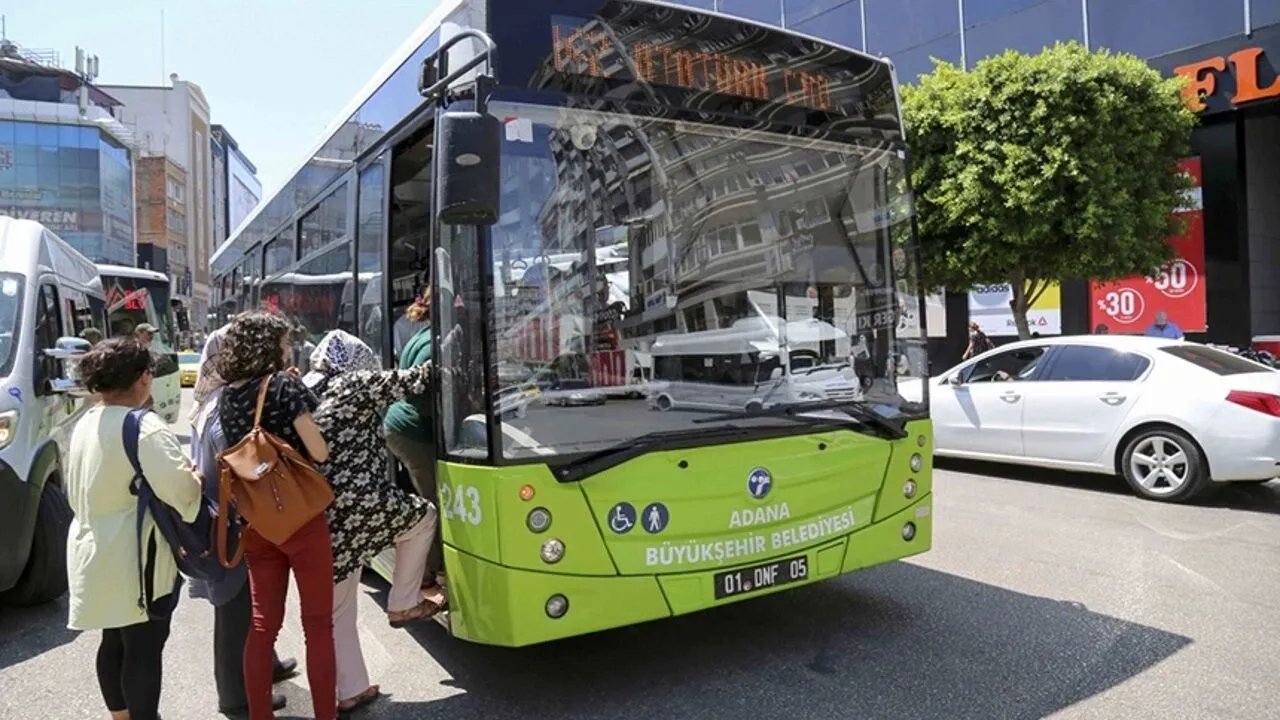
<point x="461" y="502"/>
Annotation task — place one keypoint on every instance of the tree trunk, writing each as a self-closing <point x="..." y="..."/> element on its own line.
<point x="1019" y="305"/>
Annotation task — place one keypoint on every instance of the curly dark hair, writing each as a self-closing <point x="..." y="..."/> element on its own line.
<point x="115" y="365"/>
<point x="251" y="348"/>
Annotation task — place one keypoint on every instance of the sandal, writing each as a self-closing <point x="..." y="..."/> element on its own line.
<point x="350" y="705"/>
<point x="422" y="611"/>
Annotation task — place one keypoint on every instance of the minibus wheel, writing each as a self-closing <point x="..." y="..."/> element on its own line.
<point x="45" y="576"/>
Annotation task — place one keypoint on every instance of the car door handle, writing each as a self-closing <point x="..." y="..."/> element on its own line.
<point x="1011" y="397"/>
<point x="1111" y="398"/>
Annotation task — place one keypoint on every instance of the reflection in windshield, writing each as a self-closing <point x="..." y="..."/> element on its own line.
<point x="648" y="272"/>
<point x="10" y="312"/>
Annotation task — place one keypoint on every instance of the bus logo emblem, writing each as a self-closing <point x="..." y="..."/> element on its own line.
<point x="759" y="481"/>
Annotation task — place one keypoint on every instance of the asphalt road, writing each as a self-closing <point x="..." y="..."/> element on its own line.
<point x="1047" y="595"/>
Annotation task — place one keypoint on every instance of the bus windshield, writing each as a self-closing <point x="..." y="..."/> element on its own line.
<point x="11" y="286"/>
<point x="133" y="301"/>
<point x="648" y="273"/>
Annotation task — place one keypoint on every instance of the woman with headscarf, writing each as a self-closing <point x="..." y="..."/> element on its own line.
<point x="369" y="512"/>
<point x="232" y="608"/>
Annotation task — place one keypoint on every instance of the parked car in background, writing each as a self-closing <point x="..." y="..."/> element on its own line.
<point x="514" y="401"/>
<point x="1170" y="417"/>
<point x="572" y="391"/>
<point x="188" y="367"/>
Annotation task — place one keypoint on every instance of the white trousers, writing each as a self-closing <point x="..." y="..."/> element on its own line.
<point x="411" y="564"/>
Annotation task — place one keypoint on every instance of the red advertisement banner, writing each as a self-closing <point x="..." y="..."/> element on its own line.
<point x="1128" y="306"/>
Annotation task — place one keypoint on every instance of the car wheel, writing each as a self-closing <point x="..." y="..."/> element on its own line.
<point x="45" y="576"/>
<point x="754" y="407"/>
<point x="664" y="402"/>
<point x="1164" y="464"/>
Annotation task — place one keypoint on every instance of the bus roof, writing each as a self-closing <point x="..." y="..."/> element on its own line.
<point x="402" y="54"/>
<point x="26" y="245"/>
<point x="125" y="271"/>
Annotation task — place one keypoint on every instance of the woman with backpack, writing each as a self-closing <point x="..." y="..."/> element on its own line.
<point x="370" y="512"/>
<point x="232" y="607"/>
<point x="257" y="350"/>
<point x="103" y="549"/>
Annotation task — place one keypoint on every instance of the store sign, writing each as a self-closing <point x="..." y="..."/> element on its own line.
<point x="1129" y="305"/>
<point x="1226" y="82"/>
<point x="55" y="220"/>
<point x="989" y="307"/>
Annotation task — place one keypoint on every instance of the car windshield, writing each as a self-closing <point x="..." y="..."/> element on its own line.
<point x="1215" y="361"/>
<point x="189" y="358"/>
<point x="682" y="271"/>
<point x="11" y="286"/>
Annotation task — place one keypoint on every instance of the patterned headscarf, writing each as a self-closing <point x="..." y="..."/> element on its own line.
<point x="339" y="352"/>
<point x="207" y="378"/>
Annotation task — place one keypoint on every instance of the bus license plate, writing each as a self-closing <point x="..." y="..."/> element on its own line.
<point x="761" y="577"/>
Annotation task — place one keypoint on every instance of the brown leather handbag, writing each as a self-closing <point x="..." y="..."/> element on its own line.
<point x="273" y="486"/>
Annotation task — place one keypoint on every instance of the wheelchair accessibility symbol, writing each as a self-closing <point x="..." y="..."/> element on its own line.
<point x="622" y="518"/>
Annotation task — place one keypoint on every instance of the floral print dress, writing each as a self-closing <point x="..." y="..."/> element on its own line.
<point x="369" y="511"/>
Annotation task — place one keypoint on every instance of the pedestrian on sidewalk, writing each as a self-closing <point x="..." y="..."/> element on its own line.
<point x="106" y="591"/>
<point x="232" y="608"/>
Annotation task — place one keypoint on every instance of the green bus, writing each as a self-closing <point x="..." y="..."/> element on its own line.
<point x="579" y="181"/>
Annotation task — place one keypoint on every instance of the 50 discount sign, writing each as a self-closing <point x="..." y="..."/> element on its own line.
<point x="1129" y="305"/>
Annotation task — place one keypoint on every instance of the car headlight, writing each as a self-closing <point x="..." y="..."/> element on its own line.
<point x="8" y="427"/>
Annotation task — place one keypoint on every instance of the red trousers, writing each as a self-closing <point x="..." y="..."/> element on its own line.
<point x="309" y="553"/>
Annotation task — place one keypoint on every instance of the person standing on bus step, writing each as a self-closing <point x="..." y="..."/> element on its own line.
<point x="370" y="512"/>
<point x="230" y="596"/>
<point x="105" y="590"/>
<point x="410" y="432"/>
<point x="258" y="345"/>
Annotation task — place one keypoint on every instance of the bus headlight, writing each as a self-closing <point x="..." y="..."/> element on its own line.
<point x="909" y="531"/>
<point x="8" y="427"/>
<point x="917" y="462"/>
<point x="557" y="606"/>
<point x="909" y="489"/>
<point x="539" y="519"/>
<point x="552" y="551"/>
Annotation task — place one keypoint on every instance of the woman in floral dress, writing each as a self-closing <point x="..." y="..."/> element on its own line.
<point x="370" y="512"/>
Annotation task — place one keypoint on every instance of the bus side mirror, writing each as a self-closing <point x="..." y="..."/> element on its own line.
<point x="468" y="186"/>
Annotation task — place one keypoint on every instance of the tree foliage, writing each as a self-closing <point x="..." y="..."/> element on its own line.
<point x="1035" y="169"/>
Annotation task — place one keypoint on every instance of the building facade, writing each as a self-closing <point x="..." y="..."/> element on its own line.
<point x="162" y="210"/>
<point x="1224" y="48"/>
<point x="236" y="188"/>
<point x="172" y="121"/>
<point x="64" y="159"/>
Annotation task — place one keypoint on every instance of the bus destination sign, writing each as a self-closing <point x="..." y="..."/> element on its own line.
<point x="583" y="47"/>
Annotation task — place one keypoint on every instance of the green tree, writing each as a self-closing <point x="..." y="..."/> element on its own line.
<point x="1036" y="169"/>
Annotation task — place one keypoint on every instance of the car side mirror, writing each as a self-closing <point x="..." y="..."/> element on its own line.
<point x="68" y="348"/>
<point x="67" y="352"/>
<point x="955" y="381"/>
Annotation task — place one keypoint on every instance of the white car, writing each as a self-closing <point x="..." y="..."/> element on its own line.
<point x="1168" y="416"/>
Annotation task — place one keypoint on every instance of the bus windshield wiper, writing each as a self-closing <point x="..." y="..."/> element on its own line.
<point x="857" y="409"/>
<point x="601" y="460"/>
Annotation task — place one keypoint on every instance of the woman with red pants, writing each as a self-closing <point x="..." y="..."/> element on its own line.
<point x="257" y="346"/>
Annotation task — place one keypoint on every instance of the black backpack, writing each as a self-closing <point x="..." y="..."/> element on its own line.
<point x="193" y="542"/>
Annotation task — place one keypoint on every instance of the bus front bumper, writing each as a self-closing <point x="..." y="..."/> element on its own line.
<point x="497" y="605"/>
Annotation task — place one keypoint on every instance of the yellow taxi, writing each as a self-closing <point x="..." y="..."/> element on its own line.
<point x="188" y="367"/>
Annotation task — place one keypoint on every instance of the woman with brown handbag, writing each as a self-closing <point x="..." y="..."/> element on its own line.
<point x="257" y="349"/>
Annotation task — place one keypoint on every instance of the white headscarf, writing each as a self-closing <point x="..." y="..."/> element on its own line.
<point x="208" y="381"/>
<point x="339" y="352"/>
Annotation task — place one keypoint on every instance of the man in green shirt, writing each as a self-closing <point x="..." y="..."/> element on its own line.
<point x="410" y="430"/>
